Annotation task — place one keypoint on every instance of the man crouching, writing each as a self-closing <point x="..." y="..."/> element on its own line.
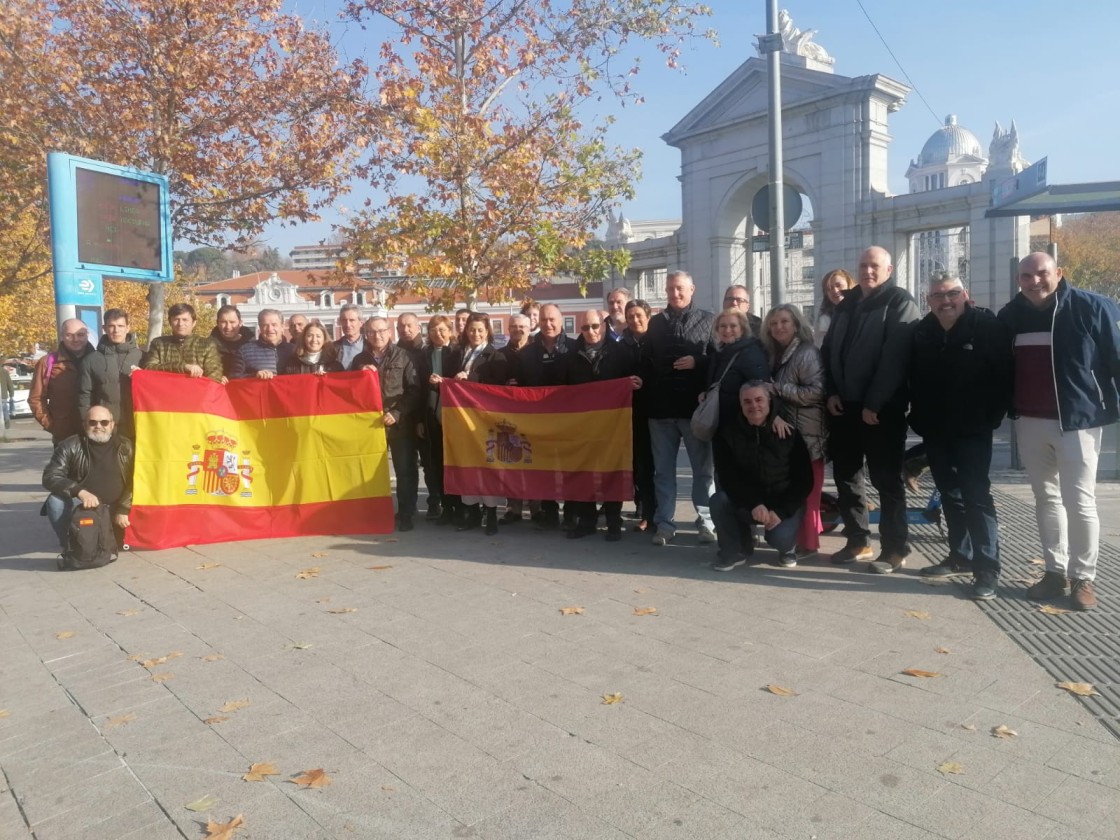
<point x="89" y="470"/>
<point x="767" y="482"/>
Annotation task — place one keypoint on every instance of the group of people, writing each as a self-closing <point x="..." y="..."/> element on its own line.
<point x="791" y="396"/>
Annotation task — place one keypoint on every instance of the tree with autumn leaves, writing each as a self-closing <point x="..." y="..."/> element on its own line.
<point x="491" y="176"/>
<point x="250" y="116"/>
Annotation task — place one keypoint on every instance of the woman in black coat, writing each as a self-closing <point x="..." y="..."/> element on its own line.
<point x="439" y="359"/>
<point x="633" y="342"/>
<point x="316" y="353"/>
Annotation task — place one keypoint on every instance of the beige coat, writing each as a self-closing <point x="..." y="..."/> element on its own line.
<point x="799" y="382"/>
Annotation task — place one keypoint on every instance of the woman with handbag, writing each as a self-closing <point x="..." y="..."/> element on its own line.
<point x="739" y="358"/>
<point x="799" y="387"/>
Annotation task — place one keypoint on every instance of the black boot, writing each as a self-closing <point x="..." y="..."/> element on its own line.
<point x="491" y="521"/>
<point x="435" y="510"/>
<point x="472" y="518"/>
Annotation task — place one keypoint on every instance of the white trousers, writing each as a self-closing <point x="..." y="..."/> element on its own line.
<point x="1062" y="467"/>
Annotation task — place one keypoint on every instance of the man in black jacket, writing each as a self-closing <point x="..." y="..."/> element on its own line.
<point x="87" y="470"/>
<point x="960" y="381"/>
<point x="106" y="377"/>
<point x="400" y="401"/>
<point x="866" y="355"/>
<point x="678" y="339"/>
<point x="767" y="484"/>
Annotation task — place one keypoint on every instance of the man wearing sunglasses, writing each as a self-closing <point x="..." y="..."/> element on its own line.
<point x="960" y="389"/>
<point x="87" y="470"/>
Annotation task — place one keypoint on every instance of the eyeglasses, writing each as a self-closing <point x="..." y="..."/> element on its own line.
<point x="728" y="300"/>
<point x="951" y="294"/>
<point x="590" y="327"/>
<point x="82" y="334"/>
<point x="93" y="424"/>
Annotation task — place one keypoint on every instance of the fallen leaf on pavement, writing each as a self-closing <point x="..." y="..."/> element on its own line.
<point x="136" y="657"/>
<point x="205" y="566"/>
<point x="781" y="690"/>
<point x="918" y="614"/>
<point x="571" y="611"/>
<point x="119" y="720"/>
<point x="234" y="705"/>
<point x="129" y="612"/>
<point x="307" y="574"/>
<point x="642" y="590"/>
<point x="300" y="646"/>
<point x="212" y="657"/>
<point x="342" y="610"/>
<point x="971" y="727"/>
<point x="1080" y="689"/>
<point x="950" y="767"/>
<point x="944" y="650"/>
<point x="164" y="677"/>
<point x="204" y="803"/>
<point x="1004" y="732"/>
<point x="210" y="721"/>
<point x="388" y="788"/>
<point x="5" y="713"/>
<point x="312" y="779"/>
<point x="318" y="554"/>
<point x="1037" y="561"/>
<point x="645" y="610"/>
<point x="260" y="772"/>
<point x="379" y="568"/>
<point x="611" y="699"/>
<point x="223" y="831"/>
<point x="65" y="634"/>
<point x="162" y="660"/>
<point x="918" y="672"/>
<point x="325" y="600"/>
<point x="1049" y="610"/>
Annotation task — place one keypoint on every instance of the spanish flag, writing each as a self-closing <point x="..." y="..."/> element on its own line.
<point x="254" y="459"/>
<point x="570" y="442"/>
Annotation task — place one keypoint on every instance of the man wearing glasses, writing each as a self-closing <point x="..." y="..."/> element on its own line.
<point x="960" y="381"/>
<point x="738" y="297"/>
<point x="88" y="470"/>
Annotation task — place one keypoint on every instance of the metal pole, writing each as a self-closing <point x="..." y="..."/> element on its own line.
<point x="777" y="185"/>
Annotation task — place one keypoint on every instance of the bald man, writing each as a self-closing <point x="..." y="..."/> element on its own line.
<point x="1066" y="382"/>
<point x="55" y="383"/>
<point x="866" y="357"/>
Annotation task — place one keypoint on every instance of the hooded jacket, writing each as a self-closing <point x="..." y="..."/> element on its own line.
<point x="867" y="350"/>
<point x="960" y="378"/>
<point x="106" y="379"/>
<point x="1084" y="354"/>
<point x="55" y="402"/>
<point x="228" y="347"/>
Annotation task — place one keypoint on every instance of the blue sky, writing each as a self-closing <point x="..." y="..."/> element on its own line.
<point x="1055" y="70"/>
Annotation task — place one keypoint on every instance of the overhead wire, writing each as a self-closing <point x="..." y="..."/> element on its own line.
<point x="913" y="84"/>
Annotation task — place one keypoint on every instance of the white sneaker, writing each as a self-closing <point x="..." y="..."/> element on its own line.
<point x="707" y="535"/>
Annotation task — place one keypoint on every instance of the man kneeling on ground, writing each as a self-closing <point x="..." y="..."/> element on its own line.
<point x="88" y="470"/>
<point x="767" y="482"/>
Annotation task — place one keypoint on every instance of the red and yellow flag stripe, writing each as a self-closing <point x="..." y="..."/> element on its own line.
<point x="289" y="456"/>
<point x="570" y="442"/>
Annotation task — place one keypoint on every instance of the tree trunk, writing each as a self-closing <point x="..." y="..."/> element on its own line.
<point x="155" y="310"/>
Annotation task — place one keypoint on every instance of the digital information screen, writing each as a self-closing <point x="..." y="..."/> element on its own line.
<point x="118" y="221"/>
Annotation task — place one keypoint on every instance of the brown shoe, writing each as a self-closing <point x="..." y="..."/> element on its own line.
<point x="850" y="554"/>
<point x="1082" y="595"/>
<point x="887" y="563"/>
<point x="1052" y="585"/>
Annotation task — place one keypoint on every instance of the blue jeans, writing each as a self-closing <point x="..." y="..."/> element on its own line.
<point x="403" y="449"/>
<point x="960" y="466"/>
<point x="735" y="527"/>
<point x="60" y="510"/>
<point x="665" y="436"/>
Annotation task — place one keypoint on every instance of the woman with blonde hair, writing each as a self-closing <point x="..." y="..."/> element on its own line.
<point x="833" y="286"/>
<point x="798" y="374"/>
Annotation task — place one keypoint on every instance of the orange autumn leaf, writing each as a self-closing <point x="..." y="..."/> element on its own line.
<point x="212" y="657"/>
<point x="119" y="720"/>
<point x="943" y="650"/>
<point x="210" y="721"/>
<point x="645" y="610"/>
<point x="918" y="672"/>
<point x="1046" y="609"/>
<point x="379" y="568"/>
<point x="234" y="705"/>
<point x="1081" y="689"/>
<point x="1004" y="732"/>
<point x="342" y="610"/>
<point x="206" y="566"/>
<point x="223" y="831"/>
<point x="313" y="779"/>
<point x="918" y="614"/>
<point x="611" y="699"/>
<point x="164" y="677"/>
<point x="307" y="574"/>
<point x="131" y="611"/>
<point x="64" y="634"/>
<point x="950" y="768"/>
<point x="260" y="772"/>
<point x="162" y="660"/>
<point x="571" y="611"/>
<point x="5" y="713"/>
<point x="318" y="554"/>
<point x="780" y="690"/>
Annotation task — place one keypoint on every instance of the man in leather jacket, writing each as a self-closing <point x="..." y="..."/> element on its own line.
<point x="89" y="469"/>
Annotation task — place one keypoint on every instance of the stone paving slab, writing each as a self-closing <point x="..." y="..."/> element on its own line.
<point x="456" y="700"/>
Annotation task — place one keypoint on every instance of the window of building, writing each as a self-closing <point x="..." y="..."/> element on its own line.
<point x="496" y="326"/>
<point x="223" y="300"/>
<point x="569" y="324"/>
<point x="360" y="298"/>
<point x="326" y="298"/>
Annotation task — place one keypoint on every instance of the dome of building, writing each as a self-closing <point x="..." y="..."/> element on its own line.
<point x="949" y="143"/>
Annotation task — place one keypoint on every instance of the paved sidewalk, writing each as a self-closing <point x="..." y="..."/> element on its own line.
<point x="435" y="680"/>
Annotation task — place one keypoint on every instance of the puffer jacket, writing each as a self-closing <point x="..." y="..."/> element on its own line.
<point x="867" y="349"/>
<point x="748" y="362"/>
<point x="172" y="354"/>
<point x="673" y="334"/>
<point x="764" y="469"/>
<point x="228" y="348"/>
<point x="69" y="466"/>
<point x="55" y="403"/>
<point x="107" y="380"/>
<point x="799" y="384"/>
